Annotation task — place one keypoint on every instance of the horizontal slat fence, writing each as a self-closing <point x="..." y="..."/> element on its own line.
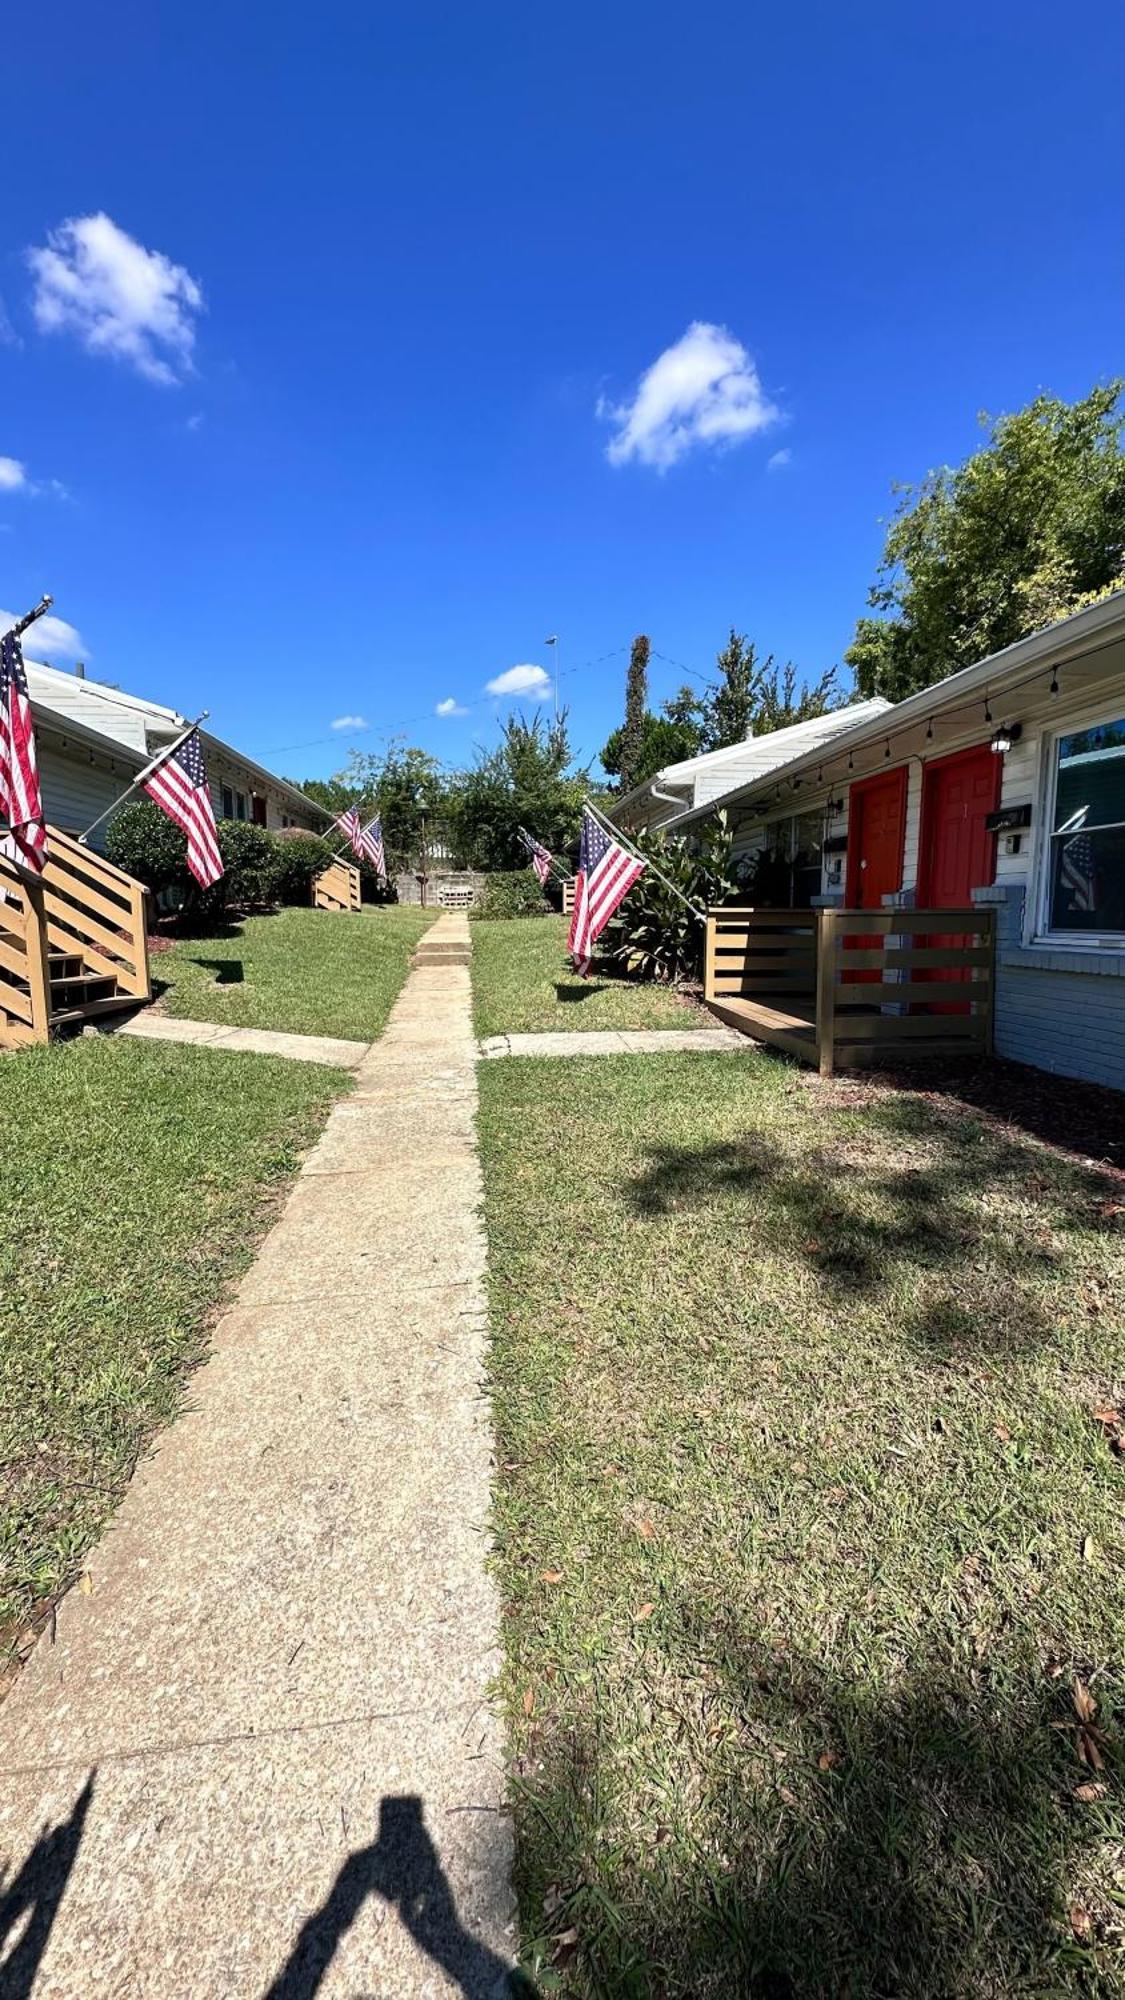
<point x="24" y="983"/>
<point x="873" y="985"/>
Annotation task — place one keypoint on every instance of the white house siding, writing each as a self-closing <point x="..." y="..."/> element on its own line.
<point x="76" y="792"/>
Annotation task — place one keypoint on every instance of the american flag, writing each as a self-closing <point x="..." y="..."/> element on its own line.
<point x="178" y="785"/>
<point x="348" y="823"/>
<point x="1076" y="872"/>
<point x="539" y="856"/>
<point x="21" y="803"/>
<point x="371" y="844"/>
<point x="606" y="873"/>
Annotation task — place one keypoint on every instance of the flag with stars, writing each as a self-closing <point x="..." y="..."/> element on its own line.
<point x="539" y="856"/>
<point x="606" y="873"/>
<point x="371" y="844"/>
<point x="21" y="803"/>
<point x="178" y="785"/>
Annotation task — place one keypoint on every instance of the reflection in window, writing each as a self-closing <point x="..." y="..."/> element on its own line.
<point x="1087" y="862"/>
<point x="786" y="873"/>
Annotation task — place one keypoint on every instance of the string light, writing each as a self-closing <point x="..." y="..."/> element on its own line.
<point x="1055" y="681"/>
<point x="930" y="730"/>
<point x="988" y="707"/>
<point x="887" y="751"/>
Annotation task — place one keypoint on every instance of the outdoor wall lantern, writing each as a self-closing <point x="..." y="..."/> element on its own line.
<point x="1007" y="734"/>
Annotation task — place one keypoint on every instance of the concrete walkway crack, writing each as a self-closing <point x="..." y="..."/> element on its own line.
<point x="290" y="1619"/>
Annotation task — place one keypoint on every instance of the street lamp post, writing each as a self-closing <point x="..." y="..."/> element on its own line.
<point x="554" y="641"/>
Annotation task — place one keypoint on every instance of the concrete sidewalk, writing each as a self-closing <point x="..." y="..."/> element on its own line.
<point x="613" y="1042"/>
<point x="260" y="1748"/>
<point x="329" y="1049"/>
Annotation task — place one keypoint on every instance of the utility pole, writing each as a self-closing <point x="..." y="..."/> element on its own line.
<point x="554" y="641"/>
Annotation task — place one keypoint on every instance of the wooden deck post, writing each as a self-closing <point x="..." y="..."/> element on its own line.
<point x="709" y="959"/>
<point x="826" y="990"/>
<point x="38" y="963"/>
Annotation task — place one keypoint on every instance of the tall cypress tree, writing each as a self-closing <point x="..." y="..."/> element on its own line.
<point x="636" y="706"/>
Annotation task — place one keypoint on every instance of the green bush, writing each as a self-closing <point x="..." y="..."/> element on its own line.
<point x="653" y="935"/>
<point x="298" y="857"/>
<point x="512" y="895"/>
<point x="261" y="868"/>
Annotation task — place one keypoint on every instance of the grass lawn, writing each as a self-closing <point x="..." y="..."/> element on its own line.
<point x="809" y="1535"/>
<point x="307" y="972"/>
<point x="523" y="983"/>
<point x="137" y="1181"/>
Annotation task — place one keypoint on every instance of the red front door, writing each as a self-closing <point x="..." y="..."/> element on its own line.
<point x="876" y="836"/>
<point x="876" y="828"/>
<point x="958" y="854"/>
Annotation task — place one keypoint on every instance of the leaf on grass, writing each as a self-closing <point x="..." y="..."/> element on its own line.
<point x="645" y="1611"/>
<point x="86" y="1583"/>
<point x="789" y="1797"/>
<point x="1088" y="1750"/>
<point x="1089" y="1548"/>
<point x="646" y="1529"/>
<point x="551" y="1575"/>
<point x="1085" y="1707"/>
<point x="1081" y="1922"/>
<point x="1106" y="1416"/>
<point x="828" y="1760"/>
<point x="799" y="1468"/>
<point x="1003" y="1433"/>
<point x="1089" y="1792"/>
<point x="529" y="1701"/>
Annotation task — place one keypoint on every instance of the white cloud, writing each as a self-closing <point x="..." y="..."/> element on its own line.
<point x="14" y="478"/>
<point x="94" y="280"/>
<point x="521" y="680"/>
<point x="350" y="722"/>
<point x="779" y="459"/>
<point x="450" y="707"/>
<point x="49" y="638"/>
<point x="702" y="391"/>
<point x="195" y="421"/>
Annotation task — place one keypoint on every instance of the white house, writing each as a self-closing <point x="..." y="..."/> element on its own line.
<point x="697" y="780"/>
<point x="93" y="739"/>
<point x="1002" y="785"/>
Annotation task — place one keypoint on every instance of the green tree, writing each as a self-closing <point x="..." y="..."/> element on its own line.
<point x="405" y="786"/>
<point x="527" y="780"/>
<point x="663" y="742"/>
<point x="753" y="697"/>
<point x="636" y="709"/>
<point x="334" y="794"/>
<point x="1026" y="530"/>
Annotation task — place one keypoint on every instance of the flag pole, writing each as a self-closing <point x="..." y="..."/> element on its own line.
<point x="646" y="860"/>
<point x="142" y="775"/>
<point x="22" y="624"/>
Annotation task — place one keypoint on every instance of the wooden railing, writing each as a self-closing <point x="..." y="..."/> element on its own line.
<point x="97" y="910"/>
<point x="76" y="930"/>
<point x="25" y="987"/>
<point x="848" y="988"/>
<point x="337" y="887"/>
<point x="760" y="953"/>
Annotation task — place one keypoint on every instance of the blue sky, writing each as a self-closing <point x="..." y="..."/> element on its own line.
<point x="370" y="431"/>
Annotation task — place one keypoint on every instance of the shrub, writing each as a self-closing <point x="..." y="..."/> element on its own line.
<point x="298" y="857"/>
<point x="512" y="895"/>
<point x="653" y="935"/>
<point x="142" y="840"/>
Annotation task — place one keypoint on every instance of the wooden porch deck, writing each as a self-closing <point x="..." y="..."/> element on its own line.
<point x="853" y="988"/>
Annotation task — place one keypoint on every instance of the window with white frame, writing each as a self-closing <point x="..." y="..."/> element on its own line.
<point x="1085" y="863"/>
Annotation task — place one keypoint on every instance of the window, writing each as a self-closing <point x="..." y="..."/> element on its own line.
<point x="786" y="873"/>
<point x="257" y="809"/>
<point x="228" y="802"/>
<point x="240" y="805"/>
<point x="1086" y="860"/>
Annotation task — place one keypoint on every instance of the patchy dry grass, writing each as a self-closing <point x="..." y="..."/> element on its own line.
<point x="523" y="983"/>
<point x="809" y="1536"/>
<point x="137" y="1182"/>
<point x="306" y="972"/>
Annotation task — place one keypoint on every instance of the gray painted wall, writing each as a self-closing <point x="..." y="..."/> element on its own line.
<point x="1054" y="1010"/>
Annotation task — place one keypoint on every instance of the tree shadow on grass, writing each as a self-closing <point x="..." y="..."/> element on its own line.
<point x="960" y="1217"/>
<point x="830" y="1841"/>
<point x="227" y="971"/>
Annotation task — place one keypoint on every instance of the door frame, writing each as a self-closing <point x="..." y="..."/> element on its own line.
<point x="932" y="767"/>
<point x="859" y="789"/>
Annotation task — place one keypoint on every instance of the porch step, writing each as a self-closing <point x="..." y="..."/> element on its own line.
<point x="794" y="1033"/>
